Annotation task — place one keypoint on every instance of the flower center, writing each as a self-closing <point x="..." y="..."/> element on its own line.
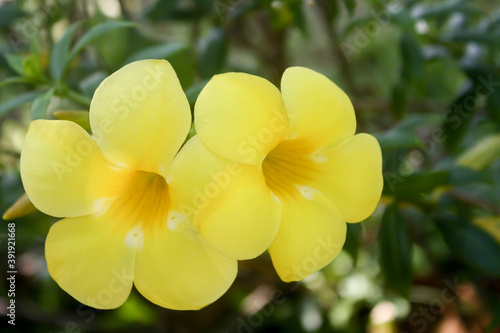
<point x="289" y="170"/>
<point x="142" y="201"/>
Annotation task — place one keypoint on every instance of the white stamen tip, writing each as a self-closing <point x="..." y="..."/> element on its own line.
<point x="134" y="237"/>
<point x="101" y="206"/>
<point x="122" y="165"/>
<point x="307" y="191"/>
<point x="174" y="219"/>
<point x="172" y="224"/>
<point x="319" y="158"/>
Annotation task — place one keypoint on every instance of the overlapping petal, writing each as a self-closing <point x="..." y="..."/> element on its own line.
<point x="177" y="269"/>
<point x="240" y="117"/>
<point x="63" y="171"/>
<point x="192" y="170"/>
<point x="140" y="116"/>
<point x="351" y="176"/>
<point x="319" y="112"/>
<point x="89" y="258"/>
<point x="311" y="235"/>
<point x="232" y="207"/>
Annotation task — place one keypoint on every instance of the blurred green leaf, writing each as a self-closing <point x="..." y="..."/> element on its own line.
<point x="18" y="101"/>
<point x="94" y="33"/>
<point x="462" y="175"/>
<point x="15" y="62"/>
<point x="482" y="154"/>
<point x="350" y="5"/>
<point x="162" y="51"/>
<point x="178" y="54"/>
<point x="32" y="69"/>
<point x="193" y="92"/>
<point x="213" y="55"/>
<point x="329" y="8"/>
<point x="398" y="99"/>
<point x="445" y="8"/>
<point x="9" y="12"/>
<point x="89" y="84"/>
<point x="14" y="79"/>
<point x="459" y="115"/>
<point x="40" y="104"/>
<point x="34" y="47"/>
<point x="395" y="251"/>
<point x="396" y="139"/>
<point x="416" y="184"/>
<point x="471" y="36"/>
<point x="353" y="240"/>
<point x="413" y="59"/>
<point x="79" y="117"/>
<point x="58" y="57"/>
<point x="470" y="243"/>
<point x="286" y="13"/>
<point x="78" y="97"/>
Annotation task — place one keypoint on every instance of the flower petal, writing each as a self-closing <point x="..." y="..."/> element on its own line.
<point x="353" y="176"/>
<point x="91" y="260"/>
<point x="319" y="112"/>
<point x="240" y="117"/>
<point x="311" y="235"/>
<point x="178" y="270"/>
<point x="232" y="207"/>
<point x="242" y="216"/>
<point x="140" y="116"/>
<point x="63" y="171"/>
<point x="191" y="170"/>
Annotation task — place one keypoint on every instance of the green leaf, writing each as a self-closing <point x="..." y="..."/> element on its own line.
<point x="9" y="12"/>
<point x="470" y="36"/>
<point x="398" y="100"/>
<point x="469" y="243"/>
<point x="415" y="185"/>
<point x="213" y="55"/>
<point x="397" y="139"/>
<point x="462" y="176"/>
<point x="157" y="52"/>
<point x="178" y="54"/>
<point x="395" y="251"/>
<point x="40" y="104"/>
<point x="79" y="117"/>
<point x="353" y="240"/>
<point x="443" y="9"/>
<point x="94" y="33"/>
<point x="18" y="101"/>
<point x="15" y="62"/>
<point x="193" y="92"/>
<point x="413" y="59"/>
<point x="482" y="154"/>
<point x="457" y="118"/>
<point x="58" y="57"/>
<point x="14" y="79"/>
<point x="350" y="5"/>
<point x="89" y="84"/>
<point x="32" y="69"/>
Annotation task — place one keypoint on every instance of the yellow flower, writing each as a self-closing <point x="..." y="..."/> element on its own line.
<point x="122" y="224"/>
<point x="298" y="170"/>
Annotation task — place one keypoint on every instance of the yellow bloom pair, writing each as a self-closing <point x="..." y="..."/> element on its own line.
<point x="266" y="170"/>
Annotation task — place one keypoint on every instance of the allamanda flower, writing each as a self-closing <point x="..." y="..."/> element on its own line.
<point x="298" y="170"/>
<point x="122" y="225"/>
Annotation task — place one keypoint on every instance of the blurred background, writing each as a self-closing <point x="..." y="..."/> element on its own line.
<point x="424" y="78"/>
